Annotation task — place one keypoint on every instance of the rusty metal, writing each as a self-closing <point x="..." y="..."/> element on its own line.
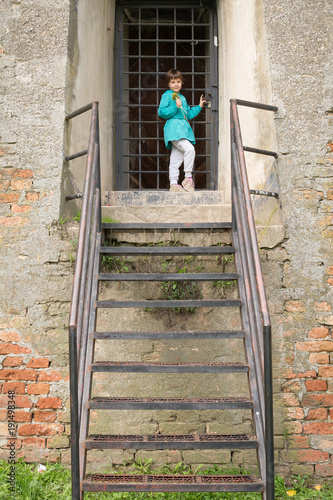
<point x="81" y="300"/>
<point x="167" y="303"/>
<point x="255" y="316"/>
<point x="168" y="277"/>
<point x="180" y="483"/>
<point x="153" y="226"/>
<point x="264" y="193"/>
<point x="140" y="367"/>
<point x="172" y="442"/>
<point x="170" y="403"/>
<point x="155" y="250"/>
<point x="223" y="334"/>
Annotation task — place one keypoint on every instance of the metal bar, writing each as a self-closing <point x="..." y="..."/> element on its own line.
<point x="80" y="252"/>
<point x="76" y="155"/>
<point x="136" y="367"/>
<point x="256" y="105"/>
<point x="264" y="193"/>
<point x="75" y="469"/>
<point x="169" y="335"/>
<point x="170" y="404"/>
<point x="214" y="250"/>
<point x="167" y="276"/>
<point x="84" y="423"/>
<point x="74" y="196"/>
<point x="246" y="193"/>
<point x="112" y="304"/>
<point x="260" y="151"/>
<point x="79" y="111"/>
<point x="172" y="486"/>
<point x="167" y="225"/>
<point x="269" y="424"/>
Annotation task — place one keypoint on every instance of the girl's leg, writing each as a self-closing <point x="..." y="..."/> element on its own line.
<point x="176" y="159"/>
<point x="188" y="153"/>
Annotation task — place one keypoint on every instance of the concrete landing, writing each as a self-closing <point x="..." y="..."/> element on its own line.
<point x="163" y="206"/>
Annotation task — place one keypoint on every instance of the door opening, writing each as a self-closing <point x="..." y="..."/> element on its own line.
<point x="151" y="39"/>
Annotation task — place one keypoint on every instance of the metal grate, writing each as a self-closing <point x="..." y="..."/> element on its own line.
<point x="153" y="38"/>
<point x="150" y="478"/>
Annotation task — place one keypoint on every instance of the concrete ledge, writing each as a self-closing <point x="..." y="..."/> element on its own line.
<point x="145" y="198"/>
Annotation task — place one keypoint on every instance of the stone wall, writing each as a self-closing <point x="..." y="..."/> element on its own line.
<point x="35" y="272"/>
<point x="299" y="39"/>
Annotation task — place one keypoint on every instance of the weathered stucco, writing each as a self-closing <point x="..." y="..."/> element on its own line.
<point x="271" y="51"/>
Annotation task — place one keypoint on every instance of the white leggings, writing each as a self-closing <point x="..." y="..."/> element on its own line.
<point x="181" y="151"/>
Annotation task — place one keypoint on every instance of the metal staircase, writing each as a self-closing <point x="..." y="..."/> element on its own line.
<point x="254" y="331"/>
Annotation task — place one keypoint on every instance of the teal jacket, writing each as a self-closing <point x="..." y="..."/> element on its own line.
<point x="177" y="126"/>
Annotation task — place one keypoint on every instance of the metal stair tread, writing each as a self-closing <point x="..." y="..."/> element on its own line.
<point x="161" y="441"/>
<point x="166" y="225"/>
<point x="132" y="335"/>
<point x="168" y="303"/>
<point x="157" y="367"/>
<point x="151" y="482"/>
<point x="157" y="250"/>
<point x="167" y="276"/>
<point x="170" y="403"/>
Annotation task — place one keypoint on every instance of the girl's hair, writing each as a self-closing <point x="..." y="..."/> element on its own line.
<point x="174" y="73"/>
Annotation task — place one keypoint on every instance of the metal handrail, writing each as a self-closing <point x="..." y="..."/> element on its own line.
<point x="255" y="295"/>
<point x="90" y="225"/>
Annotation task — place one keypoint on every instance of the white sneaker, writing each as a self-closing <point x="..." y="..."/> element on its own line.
<point x="188" y="184"/>
<point x="176" y="188"/>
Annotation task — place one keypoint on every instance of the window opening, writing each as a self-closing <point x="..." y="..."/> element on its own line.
<point x="152" y="40"/>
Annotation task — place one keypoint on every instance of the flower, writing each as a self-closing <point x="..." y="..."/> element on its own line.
<point x="176" y="96"/>
<point x="317" y="487"/>
<point x="291" y="493"/>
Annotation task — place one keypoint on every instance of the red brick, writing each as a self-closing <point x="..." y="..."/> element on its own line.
<point x="18" y="387"/>
<point x="32" y="196"/>
<point x="22" y="173"/>
<point x="317" y="400"/>
<point x="299" y="442"/>
<point x="22" y="416"/>
<point x="321" y="358"/>
<point x="49" y="403"/>
<point x="323" y="306"/>
<point x="329" y="270"/>
<point x="19" y="209"/>
<point x="53" y="376"/>
<point x="325" y="371"/>
<point x="39" y="429"/>
<point x="9" y="197"/>
<point x="294" y="306"/>
<point x="324" y="470"/>
<point x="318" y="414"/>
<point x="18" y="374"/>
<point x="12" y="221"/>
<point x="316" y="385"/>
<point x="310" y="456"/>
<point x="3" y="415"/>
<point x="35" y="442"/>
<point x="39" y="388"/>
<point x="319" y="332"/>
<point x="330" y="281"/>
<point x="45" y="416"/>
<point x="318" y="428"/>
<point x="38" y="363"/>
<point x="12" y="361"/>
<point x="307" y="374"/>
<point x="291" y="399"/>
<point x="10" y="337"/>
<point x="293" y="427"/>
<point x="20" y="401"/>
<point x="315" y="346"/>
<point x="20" y="184"/>
<point x="295" y="413"/>
<point x="9" y="348"/>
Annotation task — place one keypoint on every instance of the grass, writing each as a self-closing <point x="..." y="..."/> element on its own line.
<point x="55" y="482"/>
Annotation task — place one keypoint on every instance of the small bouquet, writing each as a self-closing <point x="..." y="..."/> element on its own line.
<point x="176" y="96"/>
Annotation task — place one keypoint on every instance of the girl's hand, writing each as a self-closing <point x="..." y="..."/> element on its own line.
<point x="178" y="103"/>
<point x="203" y="100"/>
